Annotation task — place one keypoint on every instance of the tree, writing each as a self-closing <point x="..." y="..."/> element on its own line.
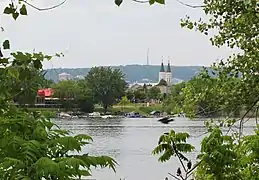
<point x="106" y="84"/>
<point x="32" y="147"/>
<point x="32" y="79"/>
<point x="74" y="94"/>
<point x="154" y="93"/>
<point x="231" y="84"/>
<point x="124" y="101"/>
<point x="237" y="26"/>
<point x="84" y="99"/>
<point x="174" y="101"/>
<point x="236" y="78"/>
<point x="130" y="95"/>
<point x="47" y="83"/>
<point x="222" y="156"/>
<point x="162" y="82"/>
<point x="139" y="95"/>
<point x="205" y="105"/>
<point x="66" y="91"/>
<point x="174" y="144"/>
<point x="145" y="88"/>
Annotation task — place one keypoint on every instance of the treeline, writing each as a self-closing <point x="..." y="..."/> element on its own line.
<point x="102" y="85"/>
<point x="208" y="95"/>
<point x="132" y="73"/>
<point x="106" y="86"/>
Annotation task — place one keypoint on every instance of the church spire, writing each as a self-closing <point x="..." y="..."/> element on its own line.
<point x="162" y="69"/>
<point x="168" y="66"/>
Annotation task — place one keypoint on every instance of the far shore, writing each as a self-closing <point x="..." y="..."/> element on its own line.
<point x="140" y="108"/>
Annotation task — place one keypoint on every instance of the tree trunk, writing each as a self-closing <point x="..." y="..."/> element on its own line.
<point x="105" y="107"/>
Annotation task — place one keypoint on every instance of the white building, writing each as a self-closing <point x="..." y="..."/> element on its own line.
<point x="165" y="75"/>
<point x="64" y="76"/>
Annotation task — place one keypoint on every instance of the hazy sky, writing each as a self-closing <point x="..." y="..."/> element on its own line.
<point x="97" y="32"/>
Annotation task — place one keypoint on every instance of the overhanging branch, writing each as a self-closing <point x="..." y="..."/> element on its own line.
<point x="137" y="1"/>
<point x="242" y="118"/>
<point x="256" y="114"/>
<point x="185" y="4"/>
<point x="140" y="1"/>
<point x="191" y="6"/>
<point x="43" y="9"/>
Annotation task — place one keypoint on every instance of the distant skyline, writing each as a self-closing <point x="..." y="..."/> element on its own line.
<point x="94" y="33"/>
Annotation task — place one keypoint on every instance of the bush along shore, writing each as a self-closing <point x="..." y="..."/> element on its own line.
<point x="114" y="110"/>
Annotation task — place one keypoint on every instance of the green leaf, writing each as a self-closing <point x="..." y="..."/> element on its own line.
<point x="190" y="25"/>
<point x="13" y="72"/>
<point x="58" y="55"/>
<point x="15" y="15"/>
<point x="37" y="64"/>
<point x="23" y="10"/>
<point x="151" y="2"/>
<point x="85" y="173"/>
<point x="160" y="1"/>
<point x="6" y="44"/>
<point x="3" y="60"/>
<point x="1" y="54"/>
<point x="9" y="10"/>
<point x="118" y="2"/>
<point x="48" y="57"/>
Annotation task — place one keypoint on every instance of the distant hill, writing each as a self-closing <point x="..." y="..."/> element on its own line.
<point x="133" y="73"/>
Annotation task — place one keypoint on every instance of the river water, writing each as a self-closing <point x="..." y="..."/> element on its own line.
<point x="131" y="141"/>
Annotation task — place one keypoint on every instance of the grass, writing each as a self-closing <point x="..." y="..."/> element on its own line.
<point x="47" y="112"/>
<point x="140" y="108"/>
<point x="116" y="109"/>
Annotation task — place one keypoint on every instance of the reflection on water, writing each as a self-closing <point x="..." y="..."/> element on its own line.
<point x="131" y="141"/>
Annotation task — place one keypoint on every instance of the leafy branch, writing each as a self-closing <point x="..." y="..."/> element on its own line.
<point x="43" y="9"/>
<point x="173" y="144"/>
<point x="119" y="2"/>
<point x="16" y="9"/>
<point x="242" y="118"/>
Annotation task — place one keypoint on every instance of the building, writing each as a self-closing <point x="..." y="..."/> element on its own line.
<point x="45" y="98"/>
<point x="165" y="80"/>
<point x="137" y="85"/>
<point x="48" y="92"/>
<point x="165" y="75"/>
<point x="64" y="76"/>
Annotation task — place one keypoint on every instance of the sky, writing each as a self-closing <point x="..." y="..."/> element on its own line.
<point x="97" y="32"/>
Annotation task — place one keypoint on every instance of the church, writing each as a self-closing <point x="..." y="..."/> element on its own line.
<point x="165" y="78"/>
<point x="165" y="75"/>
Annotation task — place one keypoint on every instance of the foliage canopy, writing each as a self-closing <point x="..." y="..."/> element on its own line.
<point x="106" y="84"/>
<point x="31" y="146"/>
<point x="229" y="85"/>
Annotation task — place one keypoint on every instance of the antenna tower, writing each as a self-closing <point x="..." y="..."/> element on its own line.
<point x="148" y="56"/>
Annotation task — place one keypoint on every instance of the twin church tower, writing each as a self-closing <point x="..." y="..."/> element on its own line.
<point x="165" y="75"/>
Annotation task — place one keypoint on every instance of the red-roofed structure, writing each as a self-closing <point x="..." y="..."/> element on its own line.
<point x="45" y="92"/>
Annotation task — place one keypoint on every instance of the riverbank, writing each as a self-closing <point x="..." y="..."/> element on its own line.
<point x="47" y="112"/>
<point x="140" y="108"/>
<point x="114" y="110"/>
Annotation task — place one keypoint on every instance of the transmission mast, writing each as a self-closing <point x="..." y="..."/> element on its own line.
<point x="148" y="56"/>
